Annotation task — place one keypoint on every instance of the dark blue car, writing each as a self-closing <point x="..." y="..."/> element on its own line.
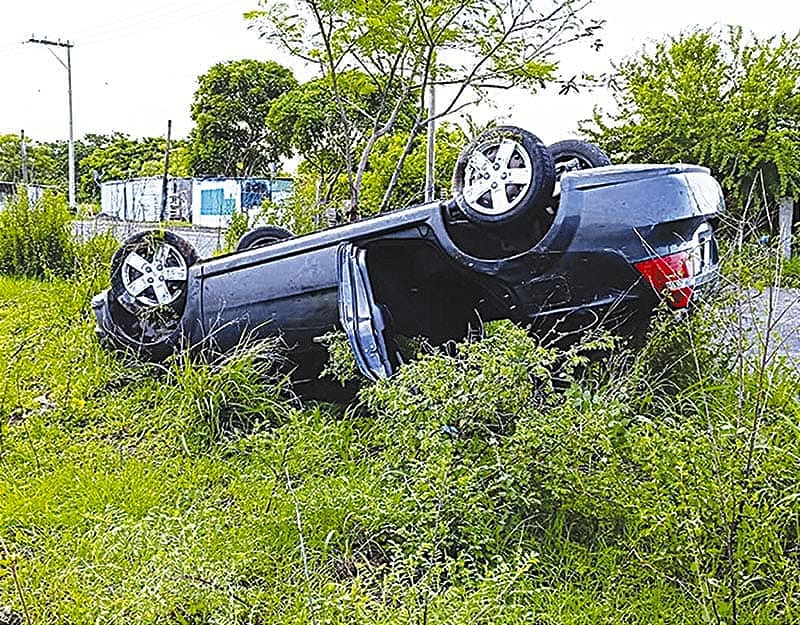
<point x="554" y="239"/>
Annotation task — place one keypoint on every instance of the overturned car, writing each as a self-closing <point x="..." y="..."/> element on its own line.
<point x="555" y="239"/>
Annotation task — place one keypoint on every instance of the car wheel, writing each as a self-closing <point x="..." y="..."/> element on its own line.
<point x="263" y="235"/>
<point x="503" y="175"/>
<point x="149" y="279"/>
<point x="573" y="155"/>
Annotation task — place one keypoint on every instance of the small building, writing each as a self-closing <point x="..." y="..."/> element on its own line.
<point x="139" y="199"/>
<point x="214" y="200"/>
<point x="9" y="191"/>
<point x="202" y="201"/>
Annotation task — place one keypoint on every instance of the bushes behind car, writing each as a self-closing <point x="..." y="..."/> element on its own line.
<point x="35" y="237"/>
<point x="36" y="241"/>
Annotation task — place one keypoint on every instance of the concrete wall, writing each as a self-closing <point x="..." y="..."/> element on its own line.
<point x="205" y="240"/>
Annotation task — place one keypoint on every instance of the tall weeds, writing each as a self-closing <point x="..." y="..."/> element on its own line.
<point x="35" y="237"/>
<point x="500" y="482"/>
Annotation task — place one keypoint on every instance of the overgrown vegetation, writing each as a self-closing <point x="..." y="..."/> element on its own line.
<point x="36" y="241"/>
<point x="238" y="226"/>
<point x="718" y="97"/>
<point x="229" y="109"/>
<point x="500" y="483"/>
<point x="318" y="191"/>
<point x="98" y="158"/>
<point x="35" y="237"/>
<point x="375" y="64"/>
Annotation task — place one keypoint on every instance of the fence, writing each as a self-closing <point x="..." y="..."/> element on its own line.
<point x="205" y="240"/>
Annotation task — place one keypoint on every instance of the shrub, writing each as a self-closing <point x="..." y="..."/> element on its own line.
<point x="791" y="272"/>
<point x="236" y="229"/>
<point x="35" y="238"/>
<point x="463" y="438"/>
<point x="674" y="472"/>
<point x="93" y="260"/>
<point x="238" y="393"/>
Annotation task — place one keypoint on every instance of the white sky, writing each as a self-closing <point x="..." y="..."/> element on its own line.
<point x="135" y="62"/>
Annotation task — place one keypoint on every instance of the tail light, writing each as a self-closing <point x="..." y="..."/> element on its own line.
<point x="673" y="276"/>
<point x="677" y="276"/>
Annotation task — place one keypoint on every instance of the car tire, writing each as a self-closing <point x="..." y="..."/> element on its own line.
<point x="149" y="283"/>
<point x="263" y="235"/>
<point x="573" y="155"/>
<point x="503" y="175"/>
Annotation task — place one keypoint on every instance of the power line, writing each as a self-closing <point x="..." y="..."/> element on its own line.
<point x="159" y="22"/>
<point x="179" y="11"/>
<point x="167" y="15"/>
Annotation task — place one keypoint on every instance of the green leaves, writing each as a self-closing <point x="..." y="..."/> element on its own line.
<point x="409" y="187"/>
<point x="401" y="49"/>
<point x="466" y="489"/>
<point x="120" y="157"/>
<point x="719" y="99"/>
<point x="35" y="238"/>
<point x="230" y="108"/>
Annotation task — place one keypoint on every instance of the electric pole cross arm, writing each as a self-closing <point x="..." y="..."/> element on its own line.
<point x="71" y="145"/>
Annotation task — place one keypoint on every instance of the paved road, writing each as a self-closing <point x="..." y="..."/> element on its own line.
<point x="772" y="317"/>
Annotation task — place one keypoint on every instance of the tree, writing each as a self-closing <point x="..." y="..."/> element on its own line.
<point x="44" y="166"/>
<point x="406" y="47"/>
<point x="56" y="153"/>
<point x="307" y="120"/>
<point x="122" y="157"/>
<point x="10" y="158"/>
<point x="410" y="183"/>
<point x="724" y="100"/>
<point x="303" y="213"/>
<point x="99" y="158"/>
<point x="230" y="108"/>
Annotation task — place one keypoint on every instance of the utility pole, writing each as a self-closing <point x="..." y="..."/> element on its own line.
<point x="24" y="153"/>
<point x="785" y="214"/>
<point x="71" y="145"/>
<point x="166" y="172"/>
<point x="430" y="153"/>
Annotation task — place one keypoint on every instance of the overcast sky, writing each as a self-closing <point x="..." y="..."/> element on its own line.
<point x="135" y="62"/>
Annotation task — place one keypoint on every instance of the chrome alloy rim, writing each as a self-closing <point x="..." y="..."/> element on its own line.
<point x="154" y="278"/>
<point x="496" y="177"/>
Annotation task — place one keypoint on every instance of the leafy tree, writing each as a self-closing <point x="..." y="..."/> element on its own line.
<point x="724" y="100"/>
<point x="230" y="108"/>
<point x="122" y="157"/>
<point x="46" y="162"/>
<point x="406" y="47"/>
<point x="307" y="120"/>
<point x="10" y="158"/>
<point x="55" y="157"/>
<point x="43" y="165"/>
<point x="87" y="190"/>
<point x="305" y="210"/>
<point x="410" y="183"/>
<point x="109" y="157"/>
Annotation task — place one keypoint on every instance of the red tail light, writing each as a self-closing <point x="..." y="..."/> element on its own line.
<point x="672" y="276"/>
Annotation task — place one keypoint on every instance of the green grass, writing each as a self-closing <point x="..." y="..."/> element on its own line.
<point x="465" y="490"/>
